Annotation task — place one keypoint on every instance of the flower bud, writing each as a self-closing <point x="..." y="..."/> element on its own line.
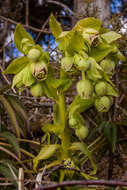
<point x="73" y="122"/>
<point x="108" y="66"/>
<point x="36" y="90"/>
<point x="34" y="54"/>
<point x="66" y="63"/>
<point x="81" y="63"/>
<point x="101" y="88"/>
<point x="85" y="89"/>
<point x="82" y="132"/>
<point x="103" y="104"/>
<point x="39" y="70"/>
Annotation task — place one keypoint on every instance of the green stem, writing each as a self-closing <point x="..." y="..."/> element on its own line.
<point x="83" y="75"/>
<point x="65" y="136"/>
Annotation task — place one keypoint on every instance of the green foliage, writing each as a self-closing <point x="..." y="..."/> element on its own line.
<point x="88" y="50"/>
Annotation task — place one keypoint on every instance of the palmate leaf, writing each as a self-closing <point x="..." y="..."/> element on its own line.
<point x="19" y="34"/>
<point x="16" y="65"/>
<point x="55" y="26"/>
<point x="45" y="153"/>
<point x="12" y="140"/>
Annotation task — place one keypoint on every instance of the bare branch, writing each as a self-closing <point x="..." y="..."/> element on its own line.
<point x="26" y="26"/>
<point x="83" y="183"/>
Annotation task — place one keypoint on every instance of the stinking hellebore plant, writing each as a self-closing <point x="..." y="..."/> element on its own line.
<point x="87" y="48"/>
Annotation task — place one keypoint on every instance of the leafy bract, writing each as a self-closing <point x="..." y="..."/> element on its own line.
<point x="45" y="153"/>
<point x="55" y="26"/>
<point x="71" y="42"/>
<point x="101" y="51"/>
<point x="110" y="37"/>
<point x="61" y="84"/>
<point x="90" y="22"/>
<point x="80" y="105"/>
<point x="52" y="128"/>
<point x="19" y="34"/>
<point x="17" y="65"/>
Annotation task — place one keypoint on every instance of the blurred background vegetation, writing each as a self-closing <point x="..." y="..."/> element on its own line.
<point x="22" y="116"/>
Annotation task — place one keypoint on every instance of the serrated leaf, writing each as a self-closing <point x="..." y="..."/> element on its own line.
<point x="16" y="65"/>
<point x="110" y="37"/>
<point x="12" y="140"/>
<point x="90" y="22"/>
<point x="45" y="153"/>
<point x="19" y="34"/>
<point x="55" y="26"/>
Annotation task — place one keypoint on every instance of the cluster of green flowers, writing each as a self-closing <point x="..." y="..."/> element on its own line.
<point x="96" y="81"/>
<point x="96" y="76"/>
<point x="35" y="71"/>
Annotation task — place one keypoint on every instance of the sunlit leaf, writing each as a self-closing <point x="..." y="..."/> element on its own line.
<point x="16" y="65"/>
<point x="45" y="153"/>
<point x="19" y="34"/>
<point x="55" y="26"/>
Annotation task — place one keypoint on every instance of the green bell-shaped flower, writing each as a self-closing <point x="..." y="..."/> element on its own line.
<point x="39" y="70"/>
<point x="81" y="63"/>
<point x="85" y="89"/>
<point x="67" y="63"/>
<point x="28" y="78"/>
<point x="103" y="104"/>
<point x="37" y="90"/>
<point x="34" y="54"/>
<point x="108" y="66"/>
<point x="82" y="132"/>
<point x="95" y="71"/>
<point x="101" y="88"/>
